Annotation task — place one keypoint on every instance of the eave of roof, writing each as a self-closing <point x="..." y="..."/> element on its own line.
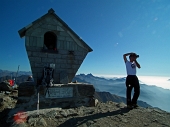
<point x="51" y="11"/>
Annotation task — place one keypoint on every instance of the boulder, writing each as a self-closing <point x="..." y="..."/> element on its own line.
<point x="26" y="89"/>
<point x="5" y="86"/>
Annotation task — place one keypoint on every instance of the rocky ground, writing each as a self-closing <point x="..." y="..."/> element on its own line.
<point x="108" y="114"/>
<point x="7" y="102"/>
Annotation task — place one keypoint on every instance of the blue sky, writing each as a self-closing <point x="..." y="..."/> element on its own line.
<point x="110" y="27"/>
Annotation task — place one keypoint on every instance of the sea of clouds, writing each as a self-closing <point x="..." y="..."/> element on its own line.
<point x="159" y="81"/>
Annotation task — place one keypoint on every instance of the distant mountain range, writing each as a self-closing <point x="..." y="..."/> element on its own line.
<point x="106" y="96"/>
<point x="13" y="74"/>
<point x="18" y="80"/>
<point x="21" y="76"/>
<point x="152" y="95"/>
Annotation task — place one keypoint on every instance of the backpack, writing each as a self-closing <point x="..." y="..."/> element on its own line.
<point x="48" y="76"/>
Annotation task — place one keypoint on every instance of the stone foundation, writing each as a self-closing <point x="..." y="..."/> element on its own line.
<point x="60" y="95"/>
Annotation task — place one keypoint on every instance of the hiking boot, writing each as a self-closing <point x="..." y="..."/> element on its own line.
<point x="135" y="105"/>
<point x="129" y="107"/>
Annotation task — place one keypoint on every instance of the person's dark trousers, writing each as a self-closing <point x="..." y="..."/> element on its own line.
<point x="132" y="82"/>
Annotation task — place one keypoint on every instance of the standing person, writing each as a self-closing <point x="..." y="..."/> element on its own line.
<point x="132" y="80"/>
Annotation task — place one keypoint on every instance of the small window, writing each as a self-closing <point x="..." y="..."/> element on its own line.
<point x="50" y="41"/>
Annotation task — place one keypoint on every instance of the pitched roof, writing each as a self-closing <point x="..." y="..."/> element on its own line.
<point x="51" y="11"/>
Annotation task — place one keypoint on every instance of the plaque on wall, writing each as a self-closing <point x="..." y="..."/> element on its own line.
<point x="59" y="92"/>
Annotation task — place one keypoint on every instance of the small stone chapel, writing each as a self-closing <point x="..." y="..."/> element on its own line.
<point x="50" y="42"/>
<point x="55" y="53"/>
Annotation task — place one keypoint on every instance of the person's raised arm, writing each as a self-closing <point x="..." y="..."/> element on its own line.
<point x="137" y="64"/>
<point x="124" y="56"/>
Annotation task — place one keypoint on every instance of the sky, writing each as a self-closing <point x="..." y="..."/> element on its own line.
<point x="110" y="27"/>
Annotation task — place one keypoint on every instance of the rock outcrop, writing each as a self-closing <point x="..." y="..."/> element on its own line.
<point x="5" y="86"/>
<point x="109" y="114"/>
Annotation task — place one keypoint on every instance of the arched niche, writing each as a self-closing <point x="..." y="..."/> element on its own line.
<point x="50" y="41"/>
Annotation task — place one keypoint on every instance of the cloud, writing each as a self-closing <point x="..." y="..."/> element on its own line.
<point x="156" y="80"/>
<point x="120" y="34"/>
<point x="156" y="18"/>
<point x="116" y="44"/>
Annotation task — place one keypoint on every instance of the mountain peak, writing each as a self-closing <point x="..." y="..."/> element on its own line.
<point x="90" y="75"/>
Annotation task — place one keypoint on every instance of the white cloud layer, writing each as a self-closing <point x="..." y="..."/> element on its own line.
<point x="148" y="80"/>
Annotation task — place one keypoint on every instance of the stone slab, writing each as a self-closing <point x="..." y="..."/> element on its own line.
<point x="59" y="92"/>
<point x="62" y="95"/>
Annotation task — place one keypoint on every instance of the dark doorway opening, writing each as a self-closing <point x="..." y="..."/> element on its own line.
<point x="50" y="40"/>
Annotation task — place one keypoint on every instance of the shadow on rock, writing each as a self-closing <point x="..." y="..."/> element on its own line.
<point x="3" y="117"/>
<point x="81" y="120"/>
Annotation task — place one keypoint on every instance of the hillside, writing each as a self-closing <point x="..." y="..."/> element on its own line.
<point x="103" y="115"/>
<point x="110" y="114"/>
<point x="152" y="95"/>
<point x="106" y="96"/>
<point x="101" y="96"/>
